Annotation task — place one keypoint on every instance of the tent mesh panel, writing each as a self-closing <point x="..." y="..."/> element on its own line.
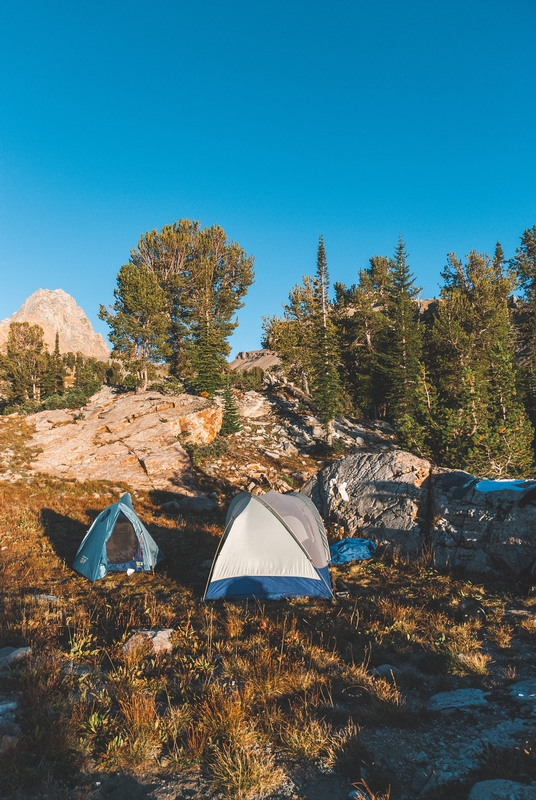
<point x="123" y="543"/>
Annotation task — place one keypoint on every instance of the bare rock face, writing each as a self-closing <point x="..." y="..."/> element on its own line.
<point x="56" y="311"/>
<point x="479" y="524"/>
<point x="396" y="498"/>
<point x="253" y="405"/>
<point x="255" y="358"/>
<point x="378" y="496"/>
<point x="130" y="437"/>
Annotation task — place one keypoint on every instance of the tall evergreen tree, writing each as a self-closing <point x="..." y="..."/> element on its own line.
<point x="483" y="424"/>
<point x="204" y="277"/>
<point x="24" y="362"/>
<point x="139" y="324"/>
<point x="231" y="416"/>
<point x="327" y="390"/>
<point x="359" y="314"/>
<point x="401" y="345"/>
<point x="524" y="264"/>
<point x="291" y="335"/>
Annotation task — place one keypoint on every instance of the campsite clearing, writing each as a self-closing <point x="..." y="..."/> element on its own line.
<point x="309" y="695"/>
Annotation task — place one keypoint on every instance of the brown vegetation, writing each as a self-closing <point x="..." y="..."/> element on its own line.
<point x="250" y="690"/>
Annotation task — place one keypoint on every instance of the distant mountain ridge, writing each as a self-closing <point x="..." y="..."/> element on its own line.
<point x="57" y="312"/>
<point x="255" y="358"/>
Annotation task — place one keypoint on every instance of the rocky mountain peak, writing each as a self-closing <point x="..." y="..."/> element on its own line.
<point x="57" y="312"/>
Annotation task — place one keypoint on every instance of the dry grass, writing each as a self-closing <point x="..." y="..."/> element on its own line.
<point x="244" y="772"/>
<point x="246" y="687"/>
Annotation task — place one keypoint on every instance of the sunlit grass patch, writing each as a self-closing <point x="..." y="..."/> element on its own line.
<point x="243" y="772"/>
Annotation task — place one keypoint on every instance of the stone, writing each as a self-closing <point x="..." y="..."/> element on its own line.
<point x="197" y="505"/>
<point x="172" y="507"/>
<point x="252" y="405"/>
<point x="272" y="454"/>
<point x="11" y="655"/>
<point x="460" y="698"/>
<point x="56" y="311"/>
<point x="7" y="743"/>
<point x="8" y="706"/>
<point x="125" y="438"/>
<point x="159" y="640"/>
<point x="386" y="671"/>
<point x="398" y="500"/>
<point x="482" y="530"/>
<point x="524" y="692"/>
<point x="500" y="789"/>
<point x="387" y="497"/>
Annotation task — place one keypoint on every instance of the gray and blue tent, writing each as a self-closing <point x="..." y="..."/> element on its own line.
<point x="116" y="542"/>
<point x="274" y="546"/>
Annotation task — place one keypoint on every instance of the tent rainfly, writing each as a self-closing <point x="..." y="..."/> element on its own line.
<point x="274" y="546"/>
<point x="117" y="542"/>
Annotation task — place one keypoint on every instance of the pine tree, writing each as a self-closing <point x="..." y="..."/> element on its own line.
<point x="484" y="426"/>
<point x="360" y="319"/>
<point x="207" y="361"/>
<point x="203" y="276"/>
<point x="231" y="417"/>
<point x="401" y="345"/>
<point x="290" y="336"/>
<point x="59" y="367"/>
<point x="139" y="325"/>
<point x="524" y="264"/>
<point x="24" y="362"/>
<point x="327" y="390"/>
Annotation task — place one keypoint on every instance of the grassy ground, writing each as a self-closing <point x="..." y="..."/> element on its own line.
<point x="250" y="690"/>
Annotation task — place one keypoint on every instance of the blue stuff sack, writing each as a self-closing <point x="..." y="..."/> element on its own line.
<point x="351" y="550"/>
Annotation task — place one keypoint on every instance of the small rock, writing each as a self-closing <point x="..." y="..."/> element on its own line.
<point x="524" y="692"/>
<point x="461" y="698"/>
<point x="386" y="671"/>
<point x="8" y="706"/>
<point x="158" y="638"/>
<point x="198" y="505"/>
<point x="47" y="598"/>
<point x="271" y="454"/>
<point x="10" y="655"/>
<point x="7" y="743"/>
<point x="502" y="790"/>
<point x="172" y="507"/>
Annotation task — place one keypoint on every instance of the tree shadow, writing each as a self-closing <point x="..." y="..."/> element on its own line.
<point x="120" y="786"/>
<point x="64" y="533"/>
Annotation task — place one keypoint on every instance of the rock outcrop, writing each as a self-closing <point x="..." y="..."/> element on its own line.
<point x="398" y="499"/>
<point x="130" y="437"/>
<point x="379" y="496"/>
<point x="255" y="358"/>
<point x="57" y="312"/>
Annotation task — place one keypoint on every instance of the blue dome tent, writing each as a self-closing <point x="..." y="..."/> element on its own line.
<point x="117" y="542"/>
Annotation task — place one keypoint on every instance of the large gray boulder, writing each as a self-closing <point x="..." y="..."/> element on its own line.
<point x="478" y="524"/>
<point x="395" y="498"/>
<point x="379" y="496"/>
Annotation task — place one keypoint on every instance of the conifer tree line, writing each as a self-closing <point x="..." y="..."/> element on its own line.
<point x="456" y="376"/>
<point x="30" y="375"/>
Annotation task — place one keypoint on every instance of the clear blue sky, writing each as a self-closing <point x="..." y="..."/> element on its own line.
<point x="279" y="121"/>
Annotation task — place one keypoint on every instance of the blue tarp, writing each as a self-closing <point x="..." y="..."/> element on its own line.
<point x="502" y="484"/>
<point x="351" y="550"/>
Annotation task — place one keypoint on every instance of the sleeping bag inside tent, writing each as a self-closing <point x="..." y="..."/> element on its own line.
<point x="274" y="546"/>
<point x="116" y="542"/>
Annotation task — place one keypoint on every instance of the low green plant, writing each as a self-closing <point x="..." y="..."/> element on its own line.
<point x="200" y="453"/>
